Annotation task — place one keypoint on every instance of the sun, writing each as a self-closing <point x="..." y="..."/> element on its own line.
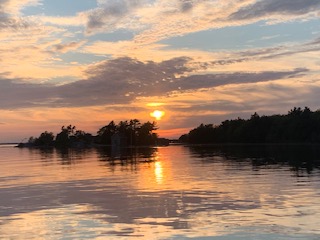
<point x="157" y="114"/>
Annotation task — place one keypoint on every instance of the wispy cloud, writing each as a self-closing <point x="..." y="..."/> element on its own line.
<point x="111" y="15"/>
<point x="13" y="7"/>
<point x="123" y="80"/>
<point x="10" y="14"/>
<point x="66" y="47"/>
<point x="274" y="9"/>
<point x="153" y="21"/>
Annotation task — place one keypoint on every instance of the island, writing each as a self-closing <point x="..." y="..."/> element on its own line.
<point x="124" y="134"/>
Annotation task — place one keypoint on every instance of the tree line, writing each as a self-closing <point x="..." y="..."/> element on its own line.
<point x="297" y="126"/>
<point x="131" y="132"/>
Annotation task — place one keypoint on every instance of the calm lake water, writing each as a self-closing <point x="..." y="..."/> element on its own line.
<point x="175" y="192"/>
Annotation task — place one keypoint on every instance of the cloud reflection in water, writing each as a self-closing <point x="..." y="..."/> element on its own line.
<point x="181" y="193"/>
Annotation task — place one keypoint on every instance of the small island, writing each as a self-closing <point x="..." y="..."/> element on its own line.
<point x="124" y="134"/>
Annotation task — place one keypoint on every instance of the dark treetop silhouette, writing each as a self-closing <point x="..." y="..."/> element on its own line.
<point x="298" y="126"/>
<point x="131" y="132"/>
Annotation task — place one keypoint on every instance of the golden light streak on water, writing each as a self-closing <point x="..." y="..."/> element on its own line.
<point x="158" y="171"/>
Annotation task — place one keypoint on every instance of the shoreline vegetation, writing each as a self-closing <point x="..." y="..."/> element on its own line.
<point x="299" y="126"/>
<point x="124" y="134"/>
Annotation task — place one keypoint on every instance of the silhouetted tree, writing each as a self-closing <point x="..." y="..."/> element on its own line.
<point x="105" y="133"/>
<point x="71" y="137"/>
<point x="145" y="135"/>
<point x="134" y="131"/>
<point x="63" y="138"/>
<point x="184" y="138"/>
<point x="298" y="126"/>
<point x="46" y="139"/>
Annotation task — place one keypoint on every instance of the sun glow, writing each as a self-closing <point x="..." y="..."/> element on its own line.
<point x="157" y="114"/>
<point x="154" y="104"/>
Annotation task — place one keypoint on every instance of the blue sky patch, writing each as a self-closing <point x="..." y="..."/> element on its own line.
<point x="60" y="7"/>
<point x="244" y="37"/>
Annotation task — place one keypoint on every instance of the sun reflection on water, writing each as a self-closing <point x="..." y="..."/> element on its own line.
<point x="158" y="171"/>
<point x="169" y="192"/>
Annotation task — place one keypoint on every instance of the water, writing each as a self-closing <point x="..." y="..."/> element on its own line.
<point x="175" y="192"/>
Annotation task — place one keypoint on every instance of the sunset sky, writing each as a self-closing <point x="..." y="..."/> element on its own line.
<point x="88" y="62"/>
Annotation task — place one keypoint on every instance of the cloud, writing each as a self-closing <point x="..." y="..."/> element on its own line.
<point x="275" y="8"/>
<point x="9" y="22"/>
<point x="232" y="101"/>
<point x="314" y="42"/>
<point x="68" y="46"/>
<point x="21" y="4"/>
<point x="13" y="7"/>
<point x="269" y="56"/>
<point x="111" y="14"/>
<point x="186" y="5"/>
<point x="34" y="52"/>
<point x="152" y="21"/>
<point x="157" y="79"/>
<point x="12" y="23"/>
<point x="9" y="14"/>
<point x="123" y="80"/>
<point x="17" y="94"/>
<point x="155" y="20"/>
<point x="214" y="80"/>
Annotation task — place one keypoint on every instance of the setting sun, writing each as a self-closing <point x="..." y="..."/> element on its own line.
<point x="157" y="114"/>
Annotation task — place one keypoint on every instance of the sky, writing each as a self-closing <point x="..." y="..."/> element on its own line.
<point x="88" y="62"/>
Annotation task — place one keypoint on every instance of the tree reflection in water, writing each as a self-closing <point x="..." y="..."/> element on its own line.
<point x="110" y="155"/>
<point x="299" y="157"/>
<point x="127" y="156"/>
<point x="190" y="192"/>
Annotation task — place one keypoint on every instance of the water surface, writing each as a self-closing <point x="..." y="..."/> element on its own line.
<point x="175" y="192"/>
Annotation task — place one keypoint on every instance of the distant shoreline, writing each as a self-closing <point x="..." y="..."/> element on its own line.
<point x="251" y="144"/>
<point x="181" y="144"/>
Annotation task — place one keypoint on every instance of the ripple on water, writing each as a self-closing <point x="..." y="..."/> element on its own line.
<point x="178" y="192"/>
